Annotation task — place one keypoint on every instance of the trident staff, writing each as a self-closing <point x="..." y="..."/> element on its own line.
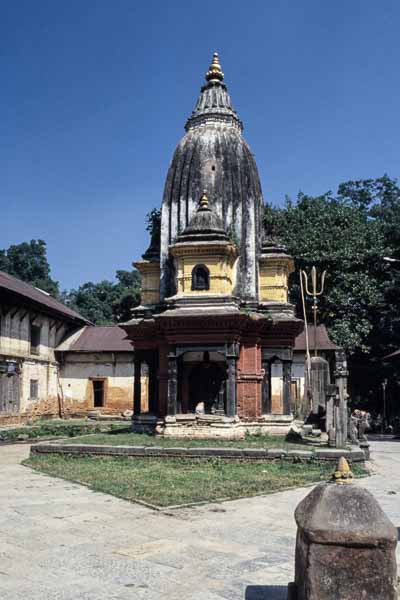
<point x="315" y="293"/>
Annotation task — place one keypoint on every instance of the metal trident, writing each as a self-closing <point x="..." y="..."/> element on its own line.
<point x="314" y="293"/>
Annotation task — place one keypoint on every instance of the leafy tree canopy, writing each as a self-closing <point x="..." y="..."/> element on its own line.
<point x="106" y="302"/>
<point x="28" y="261"/>
<point x="348" y="234"/>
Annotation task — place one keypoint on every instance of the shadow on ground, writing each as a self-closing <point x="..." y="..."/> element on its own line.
<point x="266" y="592"/>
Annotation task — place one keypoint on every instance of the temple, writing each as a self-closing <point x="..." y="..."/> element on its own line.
<point x="215" y="330"/>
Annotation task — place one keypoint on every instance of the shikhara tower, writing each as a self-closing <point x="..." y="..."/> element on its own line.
<point x="215" y="319"/>
<point x="214" y="156"/>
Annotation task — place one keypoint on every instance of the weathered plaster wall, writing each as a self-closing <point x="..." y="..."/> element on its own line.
<point x="78" y="371"/>
<point x="39" y="365"/>
<point x="219" y="260"/>
<point x="150" y="275"/>
<point x="273" y="279"/>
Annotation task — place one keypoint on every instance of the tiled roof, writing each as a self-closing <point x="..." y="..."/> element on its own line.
<point x="97" y="339"/>
<point x="24" y="290"/>
<point x="323" y="341"/>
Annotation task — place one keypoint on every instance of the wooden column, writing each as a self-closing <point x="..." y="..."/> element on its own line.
<point x="153" y="386"/>
<point x="172" y="383"/>
<point x="266" y="388"/>
<point x="231" y="387"/>
<point x="137" y="389"/>
<point x="287" y="388"/>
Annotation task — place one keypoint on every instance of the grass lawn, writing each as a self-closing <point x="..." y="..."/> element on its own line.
<point x="180" y="481"/>
<point x="143" y="439"/>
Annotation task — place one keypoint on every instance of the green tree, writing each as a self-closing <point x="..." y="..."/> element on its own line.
<point x="106" y="302"/>
<point x="348" y="234"/>
<point x="338" y="237"/>
<point x="28" y="261"/>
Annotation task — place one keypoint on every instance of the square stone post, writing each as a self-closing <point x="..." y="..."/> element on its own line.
<point x="341" y="415"/>
<point x="287" y="387"/>
<point x="172" y="382"/>
<point x="137" y="389"/>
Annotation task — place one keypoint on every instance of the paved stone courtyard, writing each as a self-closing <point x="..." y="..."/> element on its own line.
<point x="61" y="541"/>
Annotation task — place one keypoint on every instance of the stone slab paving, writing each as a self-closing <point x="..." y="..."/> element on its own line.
<point x="61" y="541"/>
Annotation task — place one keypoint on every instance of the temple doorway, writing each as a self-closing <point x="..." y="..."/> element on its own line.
<point x="206" y="388"/>
<point x="202" y="382"/>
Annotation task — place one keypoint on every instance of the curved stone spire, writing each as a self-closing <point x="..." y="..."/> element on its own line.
<point x="214" y="103"/>
<point x="213" y="155"/>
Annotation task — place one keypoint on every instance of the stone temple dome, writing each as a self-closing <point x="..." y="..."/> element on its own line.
<point x="213" y="156"/>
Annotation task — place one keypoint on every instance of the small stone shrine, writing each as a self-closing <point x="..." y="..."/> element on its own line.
<point x="215" y="315"/>
<point x="346" y="545"/>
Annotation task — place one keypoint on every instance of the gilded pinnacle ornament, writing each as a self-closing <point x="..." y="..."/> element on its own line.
<point x="214" y="70"/>
<point x="204" y="200"/>
<point x="343" y="472"/>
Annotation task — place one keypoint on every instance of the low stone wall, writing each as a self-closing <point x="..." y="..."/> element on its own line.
<point x="61" y="429"/>
<point x="241" y="454"/>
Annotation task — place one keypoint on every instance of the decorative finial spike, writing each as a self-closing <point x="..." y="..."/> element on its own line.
<point x="343" y="472"/>
<point x="204" y="200"/>
<point x="215" y="72"/>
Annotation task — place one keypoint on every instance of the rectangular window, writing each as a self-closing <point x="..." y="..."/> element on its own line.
<point x="34" y="391"/>
<point x="98" y="393"/>
<point x="35" y="339"/>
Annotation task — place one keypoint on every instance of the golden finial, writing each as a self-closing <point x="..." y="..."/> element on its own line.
<point x="343" y="473"/>
<point x="214" y="70"/>
<point x="204" y="200"/>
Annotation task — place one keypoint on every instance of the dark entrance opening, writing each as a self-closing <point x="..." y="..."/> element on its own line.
<point x="200" y="278"/>
<point x="98" y="393"/>
<point x="207" y="388"/>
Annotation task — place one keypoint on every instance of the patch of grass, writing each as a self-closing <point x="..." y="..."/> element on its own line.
<point x="180" y="481"/>
<point x="143" y="439"/>
<point x="56" y="428"/>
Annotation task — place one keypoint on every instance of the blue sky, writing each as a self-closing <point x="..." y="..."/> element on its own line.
<point x="95" y="94"/>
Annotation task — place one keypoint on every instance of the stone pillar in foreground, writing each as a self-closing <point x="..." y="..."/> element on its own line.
<point x="319" y="382"/>
<point x="346" y="545"/>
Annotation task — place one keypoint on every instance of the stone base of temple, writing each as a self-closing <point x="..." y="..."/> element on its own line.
<point x="221" y="427"/>
<point x="145" y="423"/>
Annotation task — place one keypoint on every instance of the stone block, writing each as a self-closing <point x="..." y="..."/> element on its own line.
<point x="255" y="452"/>
<point x="345" y="547"/>
<point x="174" y="451"/>
<point x="357" y="455"/>
<point x="330" y="453"/>
<point x="300" y="454"/>
<point x="199" y="451"/>
<point x="307" y="429"/>
<point x="316" y="433"/>
<point x="276" y="453"/>
<point x="154" y="450"/>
